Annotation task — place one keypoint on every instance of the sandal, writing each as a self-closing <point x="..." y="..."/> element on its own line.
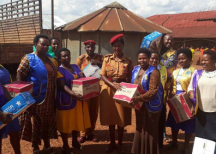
<point x="166" y="139"/>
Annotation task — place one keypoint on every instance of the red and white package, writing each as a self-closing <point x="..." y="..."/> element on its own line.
<point x="124" y="96"/>
<point x="18" y="87"/>
<point x="87" y="87"/>
<point x="180" y="106"/>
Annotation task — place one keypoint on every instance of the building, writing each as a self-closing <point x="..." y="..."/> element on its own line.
<point x="196" y="28"/>
<point x="104" y="23"/>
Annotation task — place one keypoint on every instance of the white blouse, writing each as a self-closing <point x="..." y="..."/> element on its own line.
<point x="206" y="91"/>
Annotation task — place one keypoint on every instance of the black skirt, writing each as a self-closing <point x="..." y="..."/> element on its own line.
<point x="206" y="125"/>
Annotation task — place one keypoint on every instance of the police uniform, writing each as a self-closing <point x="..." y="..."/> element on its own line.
<point x="116" y="70"/>
<point x="82" y="62"/>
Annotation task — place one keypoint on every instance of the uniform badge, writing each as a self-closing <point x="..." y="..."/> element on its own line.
<point x="124" y="66"/>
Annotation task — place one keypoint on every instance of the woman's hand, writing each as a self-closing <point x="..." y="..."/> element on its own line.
<point x="6" y="117"/>
<point x="134" y="100"/>
<point x="192" y="112"/>
<point x="78" y="96"/>
<point x="117" y="86"/>
<point x="191" y="94"/>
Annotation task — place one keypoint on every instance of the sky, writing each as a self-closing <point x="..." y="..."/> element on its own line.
<point x="69" y="10"/>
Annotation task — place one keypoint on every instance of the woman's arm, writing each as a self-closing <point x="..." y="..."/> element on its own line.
<point x="6" y="117"/>
<point x="153" y="88"/>
<point x="190" y="91"/>
<point x="63" y="87"/>
<point x="23" y="69"/>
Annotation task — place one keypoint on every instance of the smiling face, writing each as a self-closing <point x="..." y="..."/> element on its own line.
<point x="118" y="47"/>
<point x="154" y="59"/>
<point x="207" y="63"/>
<point x="55" y="44"/>
<point x="168" y="41"/>
<point x="42" y="46"/>
<point x="143" y="60"/>
<point x="90" y="48"/>
<point x="65" y="58"/>
<point x="183" y="60"/>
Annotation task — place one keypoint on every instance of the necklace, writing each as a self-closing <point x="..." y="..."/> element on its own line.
<point x="209" y="74"/>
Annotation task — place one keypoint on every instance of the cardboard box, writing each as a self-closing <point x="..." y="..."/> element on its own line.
<point x="92" y="71"/>
<point x="87" y="87"/>
<point x="180" y="106"/>
<point x="18" y="87"/>
<point x="149" y="38"/>
<point x="124" y="96"/>
<point x="17" y="105"/>
<point x="203" y="146"/>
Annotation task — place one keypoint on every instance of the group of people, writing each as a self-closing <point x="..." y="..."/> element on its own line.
<point x="67" y="112"/>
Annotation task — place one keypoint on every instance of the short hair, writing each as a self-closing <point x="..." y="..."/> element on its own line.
<point x="121" y="40"/>
<point x="185" y="51"/>
<point x="156" y="53"/>
<point x="60" y="51"/>
<point x="53" y="38"/>
<point x="145" y="51"/>
<point x="37" y="37"/>
<point x="211" y="53"/>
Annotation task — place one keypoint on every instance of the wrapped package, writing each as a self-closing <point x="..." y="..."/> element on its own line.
<point x="87" y="87"/>
<point x="124" y="96"/>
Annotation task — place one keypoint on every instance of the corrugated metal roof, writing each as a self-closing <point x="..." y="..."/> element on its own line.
<point x="189" y="25"/>
<point x="116" y="18"/>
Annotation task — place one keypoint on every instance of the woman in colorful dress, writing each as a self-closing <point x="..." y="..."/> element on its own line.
<point x="72" y="112"/>
<point x="12" y="128"/>
<point x="164" y="74"/>
<point x="202" y="90"/>
<point x="147" y="118"/>
<point x="39" y="121"/>
<point x="164" y="46"/>
<point x="181" y="79"/>
<point x="116" y="68"/>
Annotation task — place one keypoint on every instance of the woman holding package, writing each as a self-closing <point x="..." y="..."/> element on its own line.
<point x="116" y="68"/>
<point x="147" y="118"/>
<point x="72" y="113"/>
<point x="181" y="79"/>
<point x="202" y="88"/>
<point x="39" y="121"/>
<point x="12" y="128"/>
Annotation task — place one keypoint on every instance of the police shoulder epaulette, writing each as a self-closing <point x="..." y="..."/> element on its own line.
<point x="108" y="55"/>
<point x="81" y="57"/>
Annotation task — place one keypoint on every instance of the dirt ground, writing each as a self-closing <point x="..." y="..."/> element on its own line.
<point x="102" y="134"/>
